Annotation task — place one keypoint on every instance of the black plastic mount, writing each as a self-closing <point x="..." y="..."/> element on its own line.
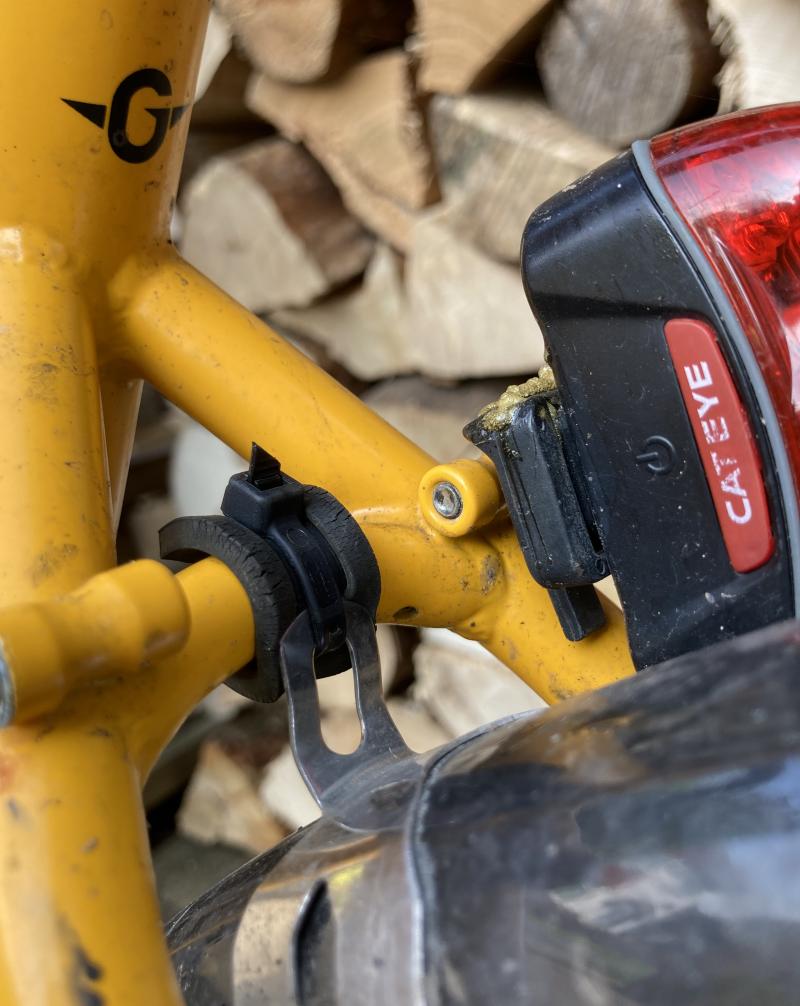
<point x="293" y="548"/>
<point x="604" y="271"/>
<point x="535" y="465"/>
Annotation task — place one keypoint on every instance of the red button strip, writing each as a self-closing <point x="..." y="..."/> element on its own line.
<point x="725" y="442"/>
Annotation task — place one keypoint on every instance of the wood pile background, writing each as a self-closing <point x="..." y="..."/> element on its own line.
<point x="359" y="173"/>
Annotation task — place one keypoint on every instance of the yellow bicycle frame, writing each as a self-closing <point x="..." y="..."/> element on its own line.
<point x="98" y="665"/>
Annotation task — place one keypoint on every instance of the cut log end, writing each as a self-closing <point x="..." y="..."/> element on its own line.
<point x="627" y="69"/>
<point x="367" y="129"/>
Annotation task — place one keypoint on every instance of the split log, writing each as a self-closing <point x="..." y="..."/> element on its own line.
<point x="364" y="329"/>
<point x="383" y="215"/>
<point x="444" y="662"/>
<point x="302" y="41"/>
<point x="268" y="225"/>
<point x="220" y="119"/>
<point x="433" y="415"/>
<point x="223" y="705"/>
<point x="499" y="156"/>
<point x="469" y="315"/>
<point x="200" y="467"/>
<point x="626" y="69"/>
<point x="465" y="43"/>
<point x="367" y="129"/>
<point x="758" y="42"/>
<point x="222" y="804"/>
<point x="418" y="728"/>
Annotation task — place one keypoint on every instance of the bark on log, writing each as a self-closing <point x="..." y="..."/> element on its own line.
<point x="465" y="43"/>
<point x="268" y="225"/>
<point x="627" y="69"/>
<point x="758" y="42"/>
<point x="202" y="145"/>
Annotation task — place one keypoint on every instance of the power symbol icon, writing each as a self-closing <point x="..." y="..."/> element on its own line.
<point x="657" y="455"/>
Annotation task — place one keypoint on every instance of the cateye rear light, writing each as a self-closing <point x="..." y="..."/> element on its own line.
<point x="736" y="183"/>
<point x="667" y="286"/>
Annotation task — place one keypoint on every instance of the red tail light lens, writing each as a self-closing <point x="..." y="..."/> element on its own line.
<point x="736" y="183"/>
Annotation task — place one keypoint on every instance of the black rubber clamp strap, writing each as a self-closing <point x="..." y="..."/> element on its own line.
<point x="293" y="548"/>
<point x="274" y="506"/>
<point x="263" y="576"/>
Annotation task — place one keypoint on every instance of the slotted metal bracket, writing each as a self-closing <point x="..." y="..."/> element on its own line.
<point x="358" y="789"/>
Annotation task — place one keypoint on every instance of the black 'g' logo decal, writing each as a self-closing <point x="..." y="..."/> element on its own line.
<point x="164" y="117"/>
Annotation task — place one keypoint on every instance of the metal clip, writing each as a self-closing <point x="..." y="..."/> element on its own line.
<point x="352" y="788"/>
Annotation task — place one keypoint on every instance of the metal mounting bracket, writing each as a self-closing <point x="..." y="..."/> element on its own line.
<point x="357" y="789"/>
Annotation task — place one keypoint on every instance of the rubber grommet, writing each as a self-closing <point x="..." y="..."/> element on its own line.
<point x="264" y="578"/>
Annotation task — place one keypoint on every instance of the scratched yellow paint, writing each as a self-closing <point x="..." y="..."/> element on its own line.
<point x="93" y="298"/>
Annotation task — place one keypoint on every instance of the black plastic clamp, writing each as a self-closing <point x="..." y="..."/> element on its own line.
<point x="293" y="548"/>
<point x="540" y="478"/>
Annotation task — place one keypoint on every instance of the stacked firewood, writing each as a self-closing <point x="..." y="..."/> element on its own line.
<point x="378" y="210"/>
<point x="359" y="173"/>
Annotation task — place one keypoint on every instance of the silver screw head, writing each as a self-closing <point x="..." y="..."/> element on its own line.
<point x="447" y="500"/>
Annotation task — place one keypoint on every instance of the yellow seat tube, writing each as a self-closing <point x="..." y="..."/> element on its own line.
<point x="54" y="495"/>
<point x="93" y="101"/>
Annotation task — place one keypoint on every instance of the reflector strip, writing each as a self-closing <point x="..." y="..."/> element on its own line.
<point x="725" y="442"/>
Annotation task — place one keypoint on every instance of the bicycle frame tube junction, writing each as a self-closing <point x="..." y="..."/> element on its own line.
<point x="99" y="666"/>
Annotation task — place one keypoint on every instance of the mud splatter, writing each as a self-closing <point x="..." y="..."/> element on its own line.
<point x="490" y="571"/>
<point x="500" y="413"/>
<point x="43" y="383"/>
<point x="48" y="562"/>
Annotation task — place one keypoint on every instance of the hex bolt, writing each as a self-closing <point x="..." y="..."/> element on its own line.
<point x="447" y="500"/>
